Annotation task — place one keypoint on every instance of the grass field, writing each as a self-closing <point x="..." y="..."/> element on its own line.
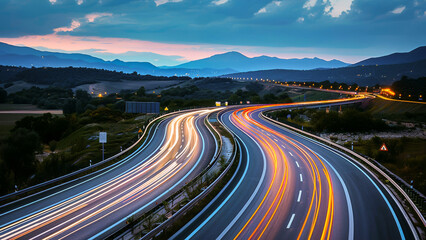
<point x="397" y="111"/>
<point x="312" y="95"/>
<point x="85" y="146"/>
<point x="116" y="87"/>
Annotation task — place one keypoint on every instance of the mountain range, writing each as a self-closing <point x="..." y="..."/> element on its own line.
<point x="219" y="64"/>
<point x="378" y="70"/>
<point x="235" y="64"/>
<point x="241" y="63"/>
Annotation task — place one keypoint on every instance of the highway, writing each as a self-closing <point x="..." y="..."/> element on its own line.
<point x="288" y="186"/>
<point x="96" y="206"/>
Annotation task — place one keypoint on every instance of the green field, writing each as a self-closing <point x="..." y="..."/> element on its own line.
<point x="84" y="143"/>
<point x="397" y="111"/>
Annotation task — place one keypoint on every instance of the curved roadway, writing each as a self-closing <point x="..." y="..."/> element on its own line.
<point x="96" y="206"/>
<point x="288" y="186"/>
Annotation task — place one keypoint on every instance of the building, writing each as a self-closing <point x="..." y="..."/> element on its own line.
<point x="142" y="107"/>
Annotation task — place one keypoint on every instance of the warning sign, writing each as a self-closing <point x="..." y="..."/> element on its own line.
<point x="166" y="109"/>
<point x="140" y="130"/>
<point x="383" y="148"/>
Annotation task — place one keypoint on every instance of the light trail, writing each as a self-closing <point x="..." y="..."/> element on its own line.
<point x="64" y="219"/>
<point x="263" y="214"/>
<point x="302" y="196"/>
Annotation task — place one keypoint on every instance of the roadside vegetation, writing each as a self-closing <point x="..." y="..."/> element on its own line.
<point x="42" y="147"/>
<point x="406" y="157"/>
<point x="410" y="88"/>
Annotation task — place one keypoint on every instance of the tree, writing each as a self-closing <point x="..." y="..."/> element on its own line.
<point x="47" y="126"/>
<point x="70" y="106"/>
<point x="3" y="95"/>
<point x="18" y="154"/>
<point x="141" y="91"/>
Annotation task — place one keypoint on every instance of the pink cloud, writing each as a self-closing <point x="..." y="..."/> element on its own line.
<point x="92" y="17"/>
<point x="74" y="24"/>
<point x="187" y="51"/>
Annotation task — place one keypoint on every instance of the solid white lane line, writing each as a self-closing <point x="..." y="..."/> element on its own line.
<point x="300" y="195"/>
<point x="291" y="220"/>
<point x="301" y="178"/>
<point x="297" y="164"/>
<point x="291" y="154"/>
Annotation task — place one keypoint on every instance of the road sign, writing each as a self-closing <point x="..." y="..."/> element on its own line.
<point x="140" y="130"/>
<point x="166" y="109"/>
<point x="383" y="148"/>
<point x="102" y="137"/>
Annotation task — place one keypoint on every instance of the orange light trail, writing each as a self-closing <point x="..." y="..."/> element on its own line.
<point x="245" y="122"/>
<point x="121" y="191"/>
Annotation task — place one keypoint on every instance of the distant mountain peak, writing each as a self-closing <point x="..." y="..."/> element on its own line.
<point x="240" y="62"/>
<point x="229" y="54"/>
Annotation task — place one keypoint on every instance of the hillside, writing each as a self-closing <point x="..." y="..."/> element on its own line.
<point x="239" y="62"/>
<point x="415" y="55"/>
<point x="70" y="76"/>
<point x="362" y="75"/>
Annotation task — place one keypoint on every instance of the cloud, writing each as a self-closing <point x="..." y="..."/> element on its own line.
<point x="335" y="8"/>
<point x="219" y="2"/>
<point x="398" y="10"/>
<point x="93" y="16"/>
<point x="74" y="25"/>
<point x="269" y="7"/>
<point x="52" y="1"/>
<point x="309" y="4"/>
<point x="161" y="2"/>
<point x="301" y="19"/>
<point x="79" y="2"/>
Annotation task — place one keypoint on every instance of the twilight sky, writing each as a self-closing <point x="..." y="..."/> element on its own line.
<point x="169" y="32"/>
